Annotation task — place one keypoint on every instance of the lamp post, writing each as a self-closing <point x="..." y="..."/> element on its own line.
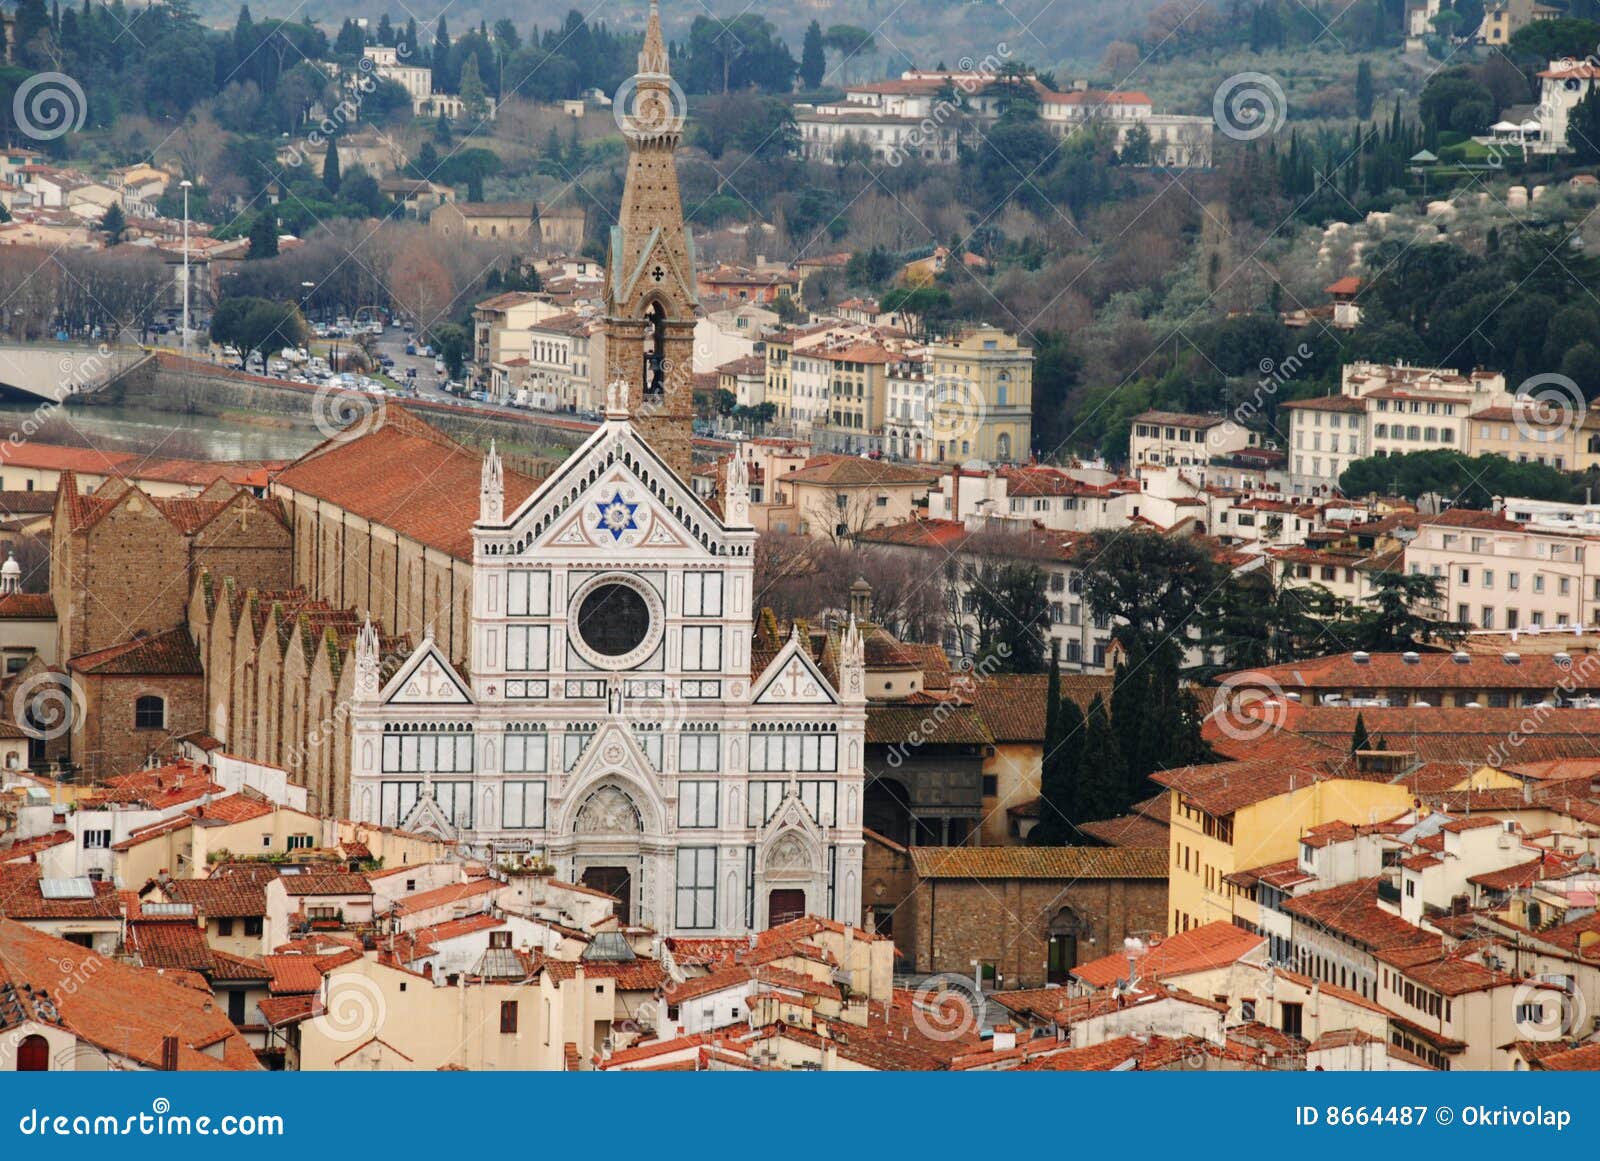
<point x="185" y="185"/>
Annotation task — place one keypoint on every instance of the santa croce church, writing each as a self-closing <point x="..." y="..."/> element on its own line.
<point x="620" y="719"/>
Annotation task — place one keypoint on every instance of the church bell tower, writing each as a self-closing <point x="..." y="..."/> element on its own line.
<point x="650" y="298"/>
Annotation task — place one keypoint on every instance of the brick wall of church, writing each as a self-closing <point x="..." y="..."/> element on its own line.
<point x="126" y="572"/>
<point x="1005" y="921"/>
<point x="107" y="742"/>
<point x="256" y="550"/>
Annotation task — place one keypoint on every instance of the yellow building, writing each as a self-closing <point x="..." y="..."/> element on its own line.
<point x="980" y="400"/>
<point x="1523" y="435"/>
<point x="1503" y="19"/>
<point x="856" y="373"/>
<point x="1234" y="816"/>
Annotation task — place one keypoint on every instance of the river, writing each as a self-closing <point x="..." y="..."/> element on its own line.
<point x="124" y="429"/>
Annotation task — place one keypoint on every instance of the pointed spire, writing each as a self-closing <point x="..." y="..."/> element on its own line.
<point x="367" y="662"/>
<point x="653" y="53"/>
<point x="852" y="662"/>
<point x="492" y="489"/>
<point x="736" y="494"/>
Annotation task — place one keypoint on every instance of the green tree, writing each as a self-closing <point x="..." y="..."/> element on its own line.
<point x="264" y="235"/>
<point x="1397" y="615"/>
<point x="1583" y="128"/>
<point x="351" y="41"/>
<point x="1463" y="481"/>
<point x="1148" y="585"/>
<point x="1136" y="146"/>
<point x="1058" y="807"/>
<point x="474" y="98"/>
<point x="813" y="58"/>
<point x="330" y="167"/>
<point x="1359" y="739"/>
<point x="928" y="309"/>
<point x="113" y="224"/>
<point x="850" y="42"/>
<point x="1364" y="93"/>
<point x="453" y="344"/>
<point x="1102" y="773"/>
<point x="1547" y="40"/>
<point x="1010" y="607"/>
<point x="257" y="324"/>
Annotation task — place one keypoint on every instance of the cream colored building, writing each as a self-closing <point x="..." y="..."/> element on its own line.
<point x="502" y="329"/>
<point x="1496" y="573"/>
<point x="1179" y="439"/>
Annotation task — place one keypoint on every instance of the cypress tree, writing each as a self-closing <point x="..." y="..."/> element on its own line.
<point x="330" y="167"/>
<point x="1360" y="739"/>
<point x="1055" y="791"/>
<point x="1102" y="773"/>
<point x="813" y="60"/>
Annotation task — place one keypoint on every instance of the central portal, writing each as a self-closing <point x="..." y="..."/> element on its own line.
<point x="617" y="881"/>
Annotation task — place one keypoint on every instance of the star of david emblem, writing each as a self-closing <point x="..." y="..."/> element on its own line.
<point x="616" y="516"/>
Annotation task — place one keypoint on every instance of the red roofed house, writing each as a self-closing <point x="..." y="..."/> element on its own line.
<point x="75" y="1010"/>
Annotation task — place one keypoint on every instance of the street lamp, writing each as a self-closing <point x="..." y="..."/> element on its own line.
<point x="185" y="185"/>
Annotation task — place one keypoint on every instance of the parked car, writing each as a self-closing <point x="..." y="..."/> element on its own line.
<point x="411" y="372"/>
<point x="411" y="348"/>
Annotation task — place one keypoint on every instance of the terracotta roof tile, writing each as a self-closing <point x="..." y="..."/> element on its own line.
<point x="172" y="653"/>
<point x="406" y="475"/>
<point x="1211" y="945"/>
<point x="1039" y="862"/>
<point x="128" y="1010"/>
<point x="1351" y="911"/>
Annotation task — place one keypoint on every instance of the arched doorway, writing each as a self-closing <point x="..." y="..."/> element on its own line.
<point x="790" y="871"/>
<point x="609" y="827"/>
<point x="1065" y="930"/>
<point x="33" y="1054"/>
<point x="784" y="905"/>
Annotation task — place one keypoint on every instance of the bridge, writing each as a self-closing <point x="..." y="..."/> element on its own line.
<point x="55" y="371"/>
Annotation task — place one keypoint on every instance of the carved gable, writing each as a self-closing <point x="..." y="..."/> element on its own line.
<point x="793" y="679"/>
<point x="427" y="679"/>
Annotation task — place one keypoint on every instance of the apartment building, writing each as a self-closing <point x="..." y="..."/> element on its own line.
<point x="1182" y="439"/>
<point x="1496" y="573"/>
<point x="1384" y="410"/>
<point x="965" y="397"/>
<point x="928" y="114"/>
<point x="502" y="332"/>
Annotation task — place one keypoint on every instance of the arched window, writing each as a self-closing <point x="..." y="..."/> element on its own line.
<point x="150" y="713"/>
<point x="655" y="355"/>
